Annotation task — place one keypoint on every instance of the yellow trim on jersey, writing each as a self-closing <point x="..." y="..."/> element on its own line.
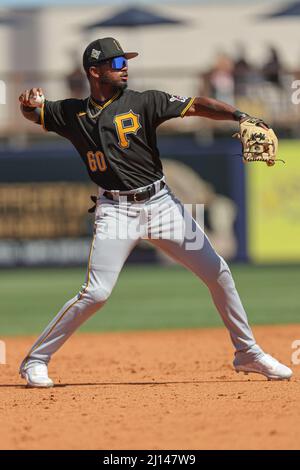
<point x="82" y="113"/>
<point x="43" y="116"/>
<point x="188" y="106"/>
<point x="68" y="308"/>
<point x="107" y="103"/>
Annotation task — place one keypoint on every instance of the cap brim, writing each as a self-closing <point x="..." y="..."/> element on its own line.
<point x="131" y="55"/>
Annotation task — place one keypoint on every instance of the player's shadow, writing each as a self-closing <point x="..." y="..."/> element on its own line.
<point x="104" y="384"/>
<point x="174" y="382"/>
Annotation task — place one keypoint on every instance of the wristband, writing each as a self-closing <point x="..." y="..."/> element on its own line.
<point x="239" y="115"/>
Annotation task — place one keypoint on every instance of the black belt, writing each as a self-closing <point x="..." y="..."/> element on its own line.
<point x="137" y="196"/>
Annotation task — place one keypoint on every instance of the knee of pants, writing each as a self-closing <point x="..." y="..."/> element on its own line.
<point x="221" y="275"/>
<point x="225" y="278"/>
<point x="97" y="295"/>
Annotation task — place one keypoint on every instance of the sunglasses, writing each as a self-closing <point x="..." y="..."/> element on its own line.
<point x="117" y="63"/>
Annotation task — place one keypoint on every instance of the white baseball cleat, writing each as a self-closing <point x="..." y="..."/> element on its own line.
<point x="265" y="365"/>
<point x="36" y="376"/>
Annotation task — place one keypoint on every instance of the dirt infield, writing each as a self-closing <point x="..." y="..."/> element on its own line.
<point x="151" y="390"/>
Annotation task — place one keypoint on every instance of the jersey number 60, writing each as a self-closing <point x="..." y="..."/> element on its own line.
<point x="96" y="161"/>
<point x="127" y="123"/>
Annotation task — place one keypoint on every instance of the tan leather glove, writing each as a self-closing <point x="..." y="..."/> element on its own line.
<point x="259" y="141"/>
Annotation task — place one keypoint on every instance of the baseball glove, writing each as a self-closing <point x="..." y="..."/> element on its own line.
<point x="259" y="142"/>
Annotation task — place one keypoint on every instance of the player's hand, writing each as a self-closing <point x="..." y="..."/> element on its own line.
<point x="257" y="121"/>
<point x="33" y="98"/>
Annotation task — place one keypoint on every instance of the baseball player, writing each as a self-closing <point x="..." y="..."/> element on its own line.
<point x="114" y="132"/>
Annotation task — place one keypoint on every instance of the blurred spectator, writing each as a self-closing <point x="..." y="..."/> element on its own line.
<point x="204" y="84"/>
<point x="221" y="79"/>
<point x="243" y="74"/>
<point x="272" y="70"/>
<point x="76" y="82"/>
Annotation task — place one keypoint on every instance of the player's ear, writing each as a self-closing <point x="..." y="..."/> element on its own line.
<point x="94" y="72"/>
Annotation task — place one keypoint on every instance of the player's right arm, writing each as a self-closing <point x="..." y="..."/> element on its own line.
<point x="53" y="116"/>
<point x="30" y="105"/>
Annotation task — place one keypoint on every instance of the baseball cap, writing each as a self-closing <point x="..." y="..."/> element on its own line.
<point x="103" y="49"/>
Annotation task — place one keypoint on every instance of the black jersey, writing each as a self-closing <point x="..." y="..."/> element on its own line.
<point x="118" y="145"/>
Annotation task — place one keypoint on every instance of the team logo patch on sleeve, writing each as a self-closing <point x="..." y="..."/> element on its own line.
<point x="182" y="99"/>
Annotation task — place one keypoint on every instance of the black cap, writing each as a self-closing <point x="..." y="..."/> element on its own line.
<point x="103" y="49"/>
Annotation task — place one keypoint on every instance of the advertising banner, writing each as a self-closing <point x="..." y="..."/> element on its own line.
<point x="273" y="207"/>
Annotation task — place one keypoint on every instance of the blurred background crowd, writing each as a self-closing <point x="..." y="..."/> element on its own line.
<point x="235" y="80"/>
<point x="247" y="55"/>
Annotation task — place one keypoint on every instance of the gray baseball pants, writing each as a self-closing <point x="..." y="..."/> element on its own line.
<point x="162" y="220"/>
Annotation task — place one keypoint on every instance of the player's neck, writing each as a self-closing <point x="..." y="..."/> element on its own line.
<point x="102" y="94"/>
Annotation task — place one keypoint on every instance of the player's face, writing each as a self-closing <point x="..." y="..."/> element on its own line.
<point x="107" y="75"/>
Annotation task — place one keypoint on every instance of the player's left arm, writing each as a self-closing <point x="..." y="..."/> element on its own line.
<point x="214" y="109"/>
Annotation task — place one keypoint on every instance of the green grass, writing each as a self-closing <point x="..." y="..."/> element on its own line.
<point x="146" y="298"/>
